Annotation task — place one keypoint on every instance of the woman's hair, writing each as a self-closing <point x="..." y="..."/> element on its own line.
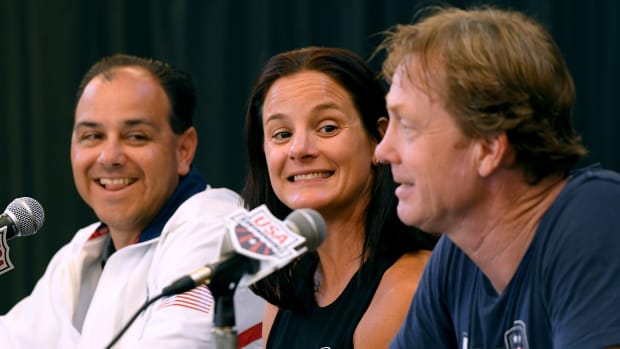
<point x="495" y="71"/>
<point x="383" y="230"/>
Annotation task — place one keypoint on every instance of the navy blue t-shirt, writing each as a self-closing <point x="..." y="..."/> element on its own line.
<point x="565" y="293"/>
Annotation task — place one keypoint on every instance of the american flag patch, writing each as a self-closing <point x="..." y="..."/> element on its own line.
<point x="198" y="298"/>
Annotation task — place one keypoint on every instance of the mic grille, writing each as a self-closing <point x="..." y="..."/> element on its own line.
<point x="310" y="224"/>
<point x="28" y="215"/>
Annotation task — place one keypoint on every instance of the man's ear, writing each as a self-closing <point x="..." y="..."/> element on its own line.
<point x="186" y="149"/>
<point x="382" y="124"/>
<point x="494" y="152"/>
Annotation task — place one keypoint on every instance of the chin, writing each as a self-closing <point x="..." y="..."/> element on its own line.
<point x="313" y="204"/>
<point x="407" y="216"/>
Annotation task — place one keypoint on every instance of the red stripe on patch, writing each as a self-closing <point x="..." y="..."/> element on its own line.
<point x="199" y="298"/>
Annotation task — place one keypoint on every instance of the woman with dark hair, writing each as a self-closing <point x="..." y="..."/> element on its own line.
<point x="314" y="119"/>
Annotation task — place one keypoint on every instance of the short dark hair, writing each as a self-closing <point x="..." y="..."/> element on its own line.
<point x="178" y="85"/>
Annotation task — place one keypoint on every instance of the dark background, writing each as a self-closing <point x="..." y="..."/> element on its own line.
<point x="46" y="45"/>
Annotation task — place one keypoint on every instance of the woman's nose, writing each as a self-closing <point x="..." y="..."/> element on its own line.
<point x="302" y="145"/>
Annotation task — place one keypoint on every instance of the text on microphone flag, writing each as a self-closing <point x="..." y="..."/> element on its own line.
<point x="258" y="234"/>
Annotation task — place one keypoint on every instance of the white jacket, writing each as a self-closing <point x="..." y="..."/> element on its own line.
<point x="190" y="239"/>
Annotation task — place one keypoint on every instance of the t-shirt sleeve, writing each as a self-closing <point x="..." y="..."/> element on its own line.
<point x="428" y="323"/>
<point x="583" y="268"/>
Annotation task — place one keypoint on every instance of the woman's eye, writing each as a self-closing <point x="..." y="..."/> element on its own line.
<point x="328" y="128"/>
<point x="281" y="135"/>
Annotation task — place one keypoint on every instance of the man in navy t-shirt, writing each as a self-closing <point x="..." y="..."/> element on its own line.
<point x="482" y="146"/>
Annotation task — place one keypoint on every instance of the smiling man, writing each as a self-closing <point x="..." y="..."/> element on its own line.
<point x="481" y="144"/>
<point x="132" y="149"/>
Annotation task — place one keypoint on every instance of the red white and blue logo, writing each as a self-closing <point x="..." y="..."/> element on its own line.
<point x="260" y="235"/>
<point x="248" y="241"/>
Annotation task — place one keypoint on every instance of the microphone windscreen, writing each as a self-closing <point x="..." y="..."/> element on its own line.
<point x="310" y="224"/>
<point x="28" y="215"/>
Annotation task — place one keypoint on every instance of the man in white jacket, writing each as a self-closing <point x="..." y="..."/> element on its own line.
<point x="131" y="153"/>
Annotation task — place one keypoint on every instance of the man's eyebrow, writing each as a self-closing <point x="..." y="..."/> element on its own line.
<point x="140" y="121"/>
<point x="86" y="124"/>
<point x="128" y="123"/>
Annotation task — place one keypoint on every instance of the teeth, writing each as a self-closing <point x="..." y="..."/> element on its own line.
<point x="311" y="176"/>
<point x="114" y="181"/>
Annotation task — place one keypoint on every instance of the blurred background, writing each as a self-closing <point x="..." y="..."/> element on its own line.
<point x="46" y="46"/>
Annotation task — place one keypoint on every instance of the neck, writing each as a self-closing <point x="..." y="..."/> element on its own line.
<point x="122" y="239"/>
<point x="340" y="257"/>
<point x="497" y="234"/>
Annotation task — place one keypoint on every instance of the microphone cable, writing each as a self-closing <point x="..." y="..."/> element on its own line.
<point x="181" y="285"/>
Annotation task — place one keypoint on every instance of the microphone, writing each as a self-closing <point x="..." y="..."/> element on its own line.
<point x="257" y="245"/>
<point x="23" y="217"/>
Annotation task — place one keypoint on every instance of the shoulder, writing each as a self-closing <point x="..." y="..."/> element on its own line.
<point x="590" y="201"/>
<point x="391" y="301"/>
<point x="202" y="216"/>
<point x="400" y="281"/>
<point x="221" y="195"/>
<point x="74" y="248"/>
<point x="269" y="317"/>
<point x="592" y="183"/>
<point x="207" y="206"/>
<point x="215" y="199"/>
<point x="83" y="235"/>
<point x="404" y="275"/>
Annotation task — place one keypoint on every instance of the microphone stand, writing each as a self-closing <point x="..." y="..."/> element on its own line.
<point x="224" y="331"/>
<point x="223" y="285"/>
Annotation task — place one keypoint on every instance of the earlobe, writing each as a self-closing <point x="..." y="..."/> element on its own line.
<point x="494" y="152"/>
<point x="382" y="124"/>
<point x="186" y="149"/>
